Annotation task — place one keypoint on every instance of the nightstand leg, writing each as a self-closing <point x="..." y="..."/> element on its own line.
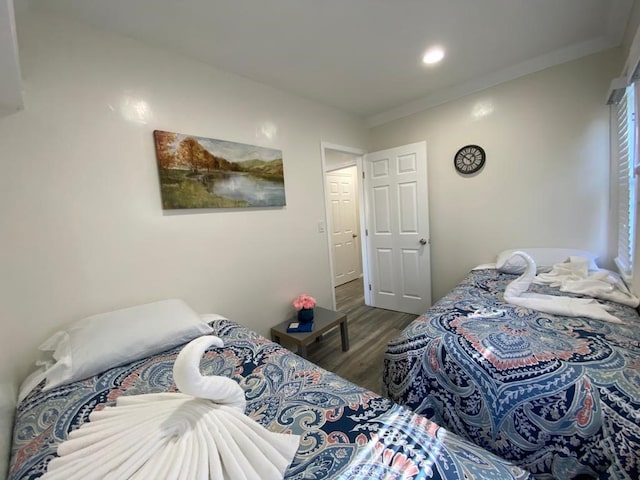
<point x="302" y="351"/>
<point x="344" y="333"/>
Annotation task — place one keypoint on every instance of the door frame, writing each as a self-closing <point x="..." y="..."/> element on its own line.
<point x="357" y="162"/>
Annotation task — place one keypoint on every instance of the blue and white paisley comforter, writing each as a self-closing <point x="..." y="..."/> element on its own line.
<point x="347" y="432"/>
<point x="558" y="396"/>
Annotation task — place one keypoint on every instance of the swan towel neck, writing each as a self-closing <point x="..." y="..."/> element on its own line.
<point x="516" y="294"/>
<point x="189" y="380"/>
<point x="174" y="436"/>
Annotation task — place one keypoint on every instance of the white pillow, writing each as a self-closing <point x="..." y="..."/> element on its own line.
<point x="545" y="258"/>
<point x="99" y="342"/>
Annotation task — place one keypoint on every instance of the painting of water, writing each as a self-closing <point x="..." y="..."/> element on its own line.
<point x="200" y="172"/>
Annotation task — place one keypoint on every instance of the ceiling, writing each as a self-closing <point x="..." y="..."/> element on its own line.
<point x="364" y="56"/>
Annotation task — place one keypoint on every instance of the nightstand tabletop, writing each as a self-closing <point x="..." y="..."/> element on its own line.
<point x="323" y="321"/>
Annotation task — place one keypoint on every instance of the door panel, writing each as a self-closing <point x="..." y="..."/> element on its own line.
<point x="411" y="275"/>
<point x="408" y="200"/>
<point x="385" y="267"/>
<point x="382" y="210"/>
<point x="397" y="217"/>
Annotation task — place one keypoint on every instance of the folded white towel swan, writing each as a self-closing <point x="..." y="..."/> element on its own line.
<point x="515" y="293"/>
<point x="574" y="276"/>
<point x="176" y="435"/>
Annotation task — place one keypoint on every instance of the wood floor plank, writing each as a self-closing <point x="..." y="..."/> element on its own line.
<point x="370" y="329"/>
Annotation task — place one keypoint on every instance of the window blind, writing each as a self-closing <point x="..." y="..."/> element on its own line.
<point x="626" y="140"/>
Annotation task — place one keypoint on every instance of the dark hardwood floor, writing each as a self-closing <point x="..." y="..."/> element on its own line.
<point x="370" y="329"/>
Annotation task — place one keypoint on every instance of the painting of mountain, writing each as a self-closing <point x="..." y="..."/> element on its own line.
<point x="200" y="172"/>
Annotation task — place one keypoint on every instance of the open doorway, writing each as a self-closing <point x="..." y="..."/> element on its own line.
<point x="342" y="171"/>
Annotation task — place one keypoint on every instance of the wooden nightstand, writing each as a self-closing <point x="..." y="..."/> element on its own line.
<point x="323" y="321"/>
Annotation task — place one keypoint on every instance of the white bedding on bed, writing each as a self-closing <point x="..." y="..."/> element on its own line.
<point x="574" y="276"/>
<point x="516" y="294"/>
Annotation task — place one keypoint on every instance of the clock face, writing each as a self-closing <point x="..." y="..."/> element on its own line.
<point x="469" y="159"/>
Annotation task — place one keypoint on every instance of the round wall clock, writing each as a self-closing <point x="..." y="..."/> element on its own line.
<point x="469" y="159"/>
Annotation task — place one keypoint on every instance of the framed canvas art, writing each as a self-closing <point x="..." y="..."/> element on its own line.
<point x="200" y="172"/>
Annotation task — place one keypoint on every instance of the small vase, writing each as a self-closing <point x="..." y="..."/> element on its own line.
<point x="305" y="315"/>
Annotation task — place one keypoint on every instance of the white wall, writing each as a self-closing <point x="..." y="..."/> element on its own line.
<point x="334" y="159"/>
<point x="80" y="213"/>
<point x="546" y="178"/>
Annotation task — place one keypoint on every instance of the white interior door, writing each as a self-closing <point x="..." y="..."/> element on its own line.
<point x="397" y="229"/>
<point x="344" y="232"/>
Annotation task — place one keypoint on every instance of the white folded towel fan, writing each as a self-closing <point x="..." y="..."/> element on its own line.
<point x="200" y="434"/>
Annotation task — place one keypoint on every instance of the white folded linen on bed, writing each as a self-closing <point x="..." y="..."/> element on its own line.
<point x="176" y="435"/>
<point x="516" y="294"/>
<point x="573" y="276"/>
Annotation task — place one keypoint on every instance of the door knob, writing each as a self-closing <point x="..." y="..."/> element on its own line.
<point x="423" y="241"/>
<point x="354" y="235"/>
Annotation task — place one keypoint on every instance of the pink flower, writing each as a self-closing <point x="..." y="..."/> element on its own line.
<point x="304" y="301"/>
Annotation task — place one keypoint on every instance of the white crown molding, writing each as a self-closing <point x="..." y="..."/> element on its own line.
<point x="612" y="36"/>
<point x="501" y="76"/>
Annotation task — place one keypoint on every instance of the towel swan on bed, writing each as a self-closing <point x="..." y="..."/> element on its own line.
<point x="516" y="294"/>
<point x="199" y="434"/>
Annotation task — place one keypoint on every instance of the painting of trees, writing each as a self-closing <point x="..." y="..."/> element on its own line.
<point x="165" y="148"/>
<point x="187" y="153"/>
<point x="200" y="172"/>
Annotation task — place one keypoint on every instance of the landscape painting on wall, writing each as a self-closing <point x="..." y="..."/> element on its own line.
<point x="199" y="172"/>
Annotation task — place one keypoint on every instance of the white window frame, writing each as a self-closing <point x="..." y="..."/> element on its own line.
<point x="625" y="136"/>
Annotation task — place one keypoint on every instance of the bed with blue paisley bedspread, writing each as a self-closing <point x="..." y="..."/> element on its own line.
<point x="347" y="432"/>
<point x="558" y="396"/>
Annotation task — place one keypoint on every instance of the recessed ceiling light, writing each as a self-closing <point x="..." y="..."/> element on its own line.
<point x="433" y="55"/>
